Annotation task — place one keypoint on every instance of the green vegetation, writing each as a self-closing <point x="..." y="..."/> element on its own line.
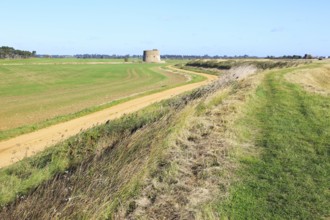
<point x="288" y="177"/>
<point x="210" y="71"/>
<point x="260" y="64"/>
<point x="120" y="153"/>
<point x="34" y="96"/>
<point x="257" y="148"/>
<point x="11" y="53"/>
<point x="27" y="174"/>
<point x="45" y="61"/>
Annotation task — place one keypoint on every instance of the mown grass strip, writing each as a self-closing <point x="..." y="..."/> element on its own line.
<point x="290" y="178"/>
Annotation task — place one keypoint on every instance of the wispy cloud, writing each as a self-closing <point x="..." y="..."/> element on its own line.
<point x="278" y="29"/>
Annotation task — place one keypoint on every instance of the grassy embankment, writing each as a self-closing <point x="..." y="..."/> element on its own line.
<point x="34" y="96"/>
<point x="284" y="173"/>
<point x="288" y="174"/>
<point x="108" y="162"/>
<point x="216" y="67"/>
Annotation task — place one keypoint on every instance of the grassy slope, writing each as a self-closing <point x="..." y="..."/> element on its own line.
<point x="19" y="178"/>
<point x="38" y="99"/>
<point x="313" y="80"/>
<point x="104" y="166"/>
<point x="290" y="176"/>
<point x="197" y="167"/>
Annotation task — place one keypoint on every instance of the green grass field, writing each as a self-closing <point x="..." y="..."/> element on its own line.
<point x="32" y="93"/>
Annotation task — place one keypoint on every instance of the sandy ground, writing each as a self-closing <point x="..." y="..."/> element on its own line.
<point x="26" y="145"/>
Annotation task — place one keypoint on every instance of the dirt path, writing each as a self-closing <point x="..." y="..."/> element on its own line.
<point x="17" y="148"/>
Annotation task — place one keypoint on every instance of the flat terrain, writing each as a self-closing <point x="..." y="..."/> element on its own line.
<point x="32" y="91"/>
<point x="60" y="61"/>
<point x="17" y="148"/>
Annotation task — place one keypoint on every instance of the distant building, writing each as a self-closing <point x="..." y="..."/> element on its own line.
<point x="151" y="56"/>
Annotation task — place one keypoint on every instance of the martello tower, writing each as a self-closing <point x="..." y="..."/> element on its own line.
<point x="151" y="56"/>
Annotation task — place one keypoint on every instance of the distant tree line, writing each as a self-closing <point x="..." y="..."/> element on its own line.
<point x="166" y="56"/>
<point x="105" y="56"/>
<point x="53" y="56"/>
<point x="193" y="57"/>
<point x="11" y="53"/>
<point x="285" y="57"/>
<point x="177" y="57"/>
<point x="306" y="56"/>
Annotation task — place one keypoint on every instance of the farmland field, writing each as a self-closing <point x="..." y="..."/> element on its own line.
<point x="32" y="92"/>
<point x="61" y="61"/>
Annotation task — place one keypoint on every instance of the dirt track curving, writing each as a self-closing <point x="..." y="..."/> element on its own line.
<point x="17" y="148"/>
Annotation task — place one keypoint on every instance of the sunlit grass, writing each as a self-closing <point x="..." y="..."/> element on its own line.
<point x="288" y="178"/>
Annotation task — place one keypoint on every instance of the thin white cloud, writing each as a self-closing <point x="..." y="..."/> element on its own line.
<point x="278" y="29"/>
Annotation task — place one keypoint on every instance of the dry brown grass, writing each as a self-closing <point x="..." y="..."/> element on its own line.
<point x="198" y="167"/>
<point x="95" y="187"/>
<point x="316" y="80"/>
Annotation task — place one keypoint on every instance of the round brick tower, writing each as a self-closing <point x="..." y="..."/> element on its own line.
<point x="151" y="56"/>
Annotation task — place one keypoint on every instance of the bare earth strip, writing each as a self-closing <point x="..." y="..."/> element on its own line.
<point x="26" y="145"/>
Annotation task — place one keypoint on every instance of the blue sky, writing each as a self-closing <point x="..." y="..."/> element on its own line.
<point x="213" y="27"/>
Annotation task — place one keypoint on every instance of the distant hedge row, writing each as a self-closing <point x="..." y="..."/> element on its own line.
<point x="228" y="64"/>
